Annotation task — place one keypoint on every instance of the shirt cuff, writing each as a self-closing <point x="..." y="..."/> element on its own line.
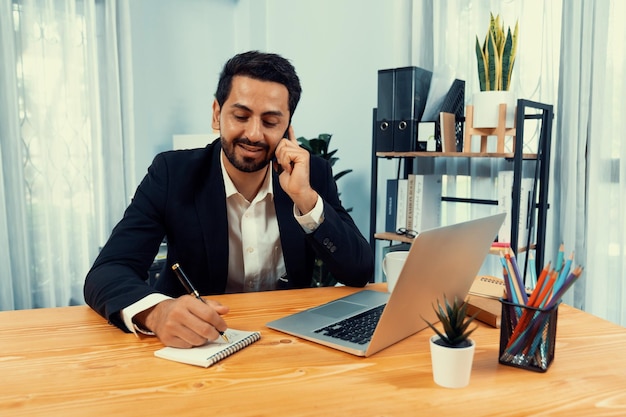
<point x="310" y="221"/>
<point x="145" y="303"/>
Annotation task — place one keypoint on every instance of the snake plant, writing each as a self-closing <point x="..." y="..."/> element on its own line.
<point x="496" y="56"/>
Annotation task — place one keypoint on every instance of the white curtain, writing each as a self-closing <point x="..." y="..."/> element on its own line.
<point x="63" y="144"/>
<point x="591" y="154"/>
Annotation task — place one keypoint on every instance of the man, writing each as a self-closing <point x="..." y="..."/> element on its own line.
<point x="249" y="212"/>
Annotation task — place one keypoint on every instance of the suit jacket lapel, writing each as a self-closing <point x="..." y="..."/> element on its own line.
<point x="210" y="200"/>
<point x="291" y="234"/>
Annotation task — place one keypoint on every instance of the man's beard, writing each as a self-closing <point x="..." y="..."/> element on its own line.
<point x="244" y="164"/>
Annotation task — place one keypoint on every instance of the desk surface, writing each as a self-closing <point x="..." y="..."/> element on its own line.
<point x="69" y="361"/>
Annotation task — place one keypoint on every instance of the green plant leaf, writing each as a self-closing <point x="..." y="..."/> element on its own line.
<point x="492" y="64"/>
<point x="440" y="334"/>
<point x="482" y="70"/>
<point x="330" y="154"/>
<point x="319" y="147"/>
<point x="507" y="63"/>
<point x="305" y="143"/>
<point x="341" y="174"/>
<point x="325" y="137"/>
<point x="455" y="322"/>
<point x="510" y="51"/>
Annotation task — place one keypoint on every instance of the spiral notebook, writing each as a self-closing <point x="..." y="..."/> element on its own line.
<point x="212" y="352"/>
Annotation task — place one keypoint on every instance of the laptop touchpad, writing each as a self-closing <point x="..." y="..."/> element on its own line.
<point x="337" y="309"/>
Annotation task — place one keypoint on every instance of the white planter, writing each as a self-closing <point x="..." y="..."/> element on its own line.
<point x="452" y="367"/>
<point x="487" y="107"/>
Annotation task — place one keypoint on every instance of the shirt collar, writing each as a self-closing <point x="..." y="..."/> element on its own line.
<point x="267" y="188"/>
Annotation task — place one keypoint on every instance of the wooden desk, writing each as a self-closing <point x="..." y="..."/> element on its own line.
<point x="69" y="361"/>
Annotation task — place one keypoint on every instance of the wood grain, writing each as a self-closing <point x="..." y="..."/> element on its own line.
<point x="70" y="362"/>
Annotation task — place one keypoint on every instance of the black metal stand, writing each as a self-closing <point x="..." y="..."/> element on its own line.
<point x="526" y="110"/>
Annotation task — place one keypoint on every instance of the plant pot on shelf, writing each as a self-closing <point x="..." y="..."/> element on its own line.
<point x="452" y="366"/>
<point x="487" y="106"/>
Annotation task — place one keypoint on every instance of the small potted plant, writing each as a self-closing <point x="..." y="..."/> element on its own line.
<point x="495" y="59"/>
<point x="451" y="350"/>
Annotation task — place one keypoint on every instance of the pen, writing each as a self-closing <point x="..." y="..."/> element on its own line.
<point x="191" y="290"/>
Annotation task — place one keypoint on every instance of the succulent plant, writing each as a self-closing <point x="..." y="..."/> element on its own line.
<point x="455" y="323"/>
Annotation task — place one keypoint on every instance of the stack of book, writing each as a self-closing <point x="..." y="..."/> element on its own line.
<point x="413" y="203"/>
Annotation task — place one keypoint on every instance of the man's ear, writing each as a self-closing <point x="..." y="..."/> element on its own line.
<point x="215" y="122"/>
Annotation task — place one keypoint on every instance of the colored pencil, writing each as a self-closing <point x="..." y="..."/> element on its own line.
<point x="564" y="272"/>
<point x="559" y="258"/>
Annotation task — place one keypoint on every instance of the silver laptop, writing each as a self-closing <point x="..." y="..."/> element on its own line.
<point x="441" y="261"/>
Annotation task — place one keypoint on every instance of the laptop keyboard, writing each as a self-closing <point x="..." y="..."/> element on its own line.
<point x="357" y="329"/>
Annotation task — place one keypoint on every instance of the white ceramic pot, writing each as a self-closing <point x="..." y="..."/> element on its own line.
<point x="487" y="107"/>
<point x="452" y="367"/>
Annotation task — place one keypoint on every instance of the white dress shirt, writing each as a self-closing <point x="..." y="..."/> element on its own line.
<point x="255" y="254"/>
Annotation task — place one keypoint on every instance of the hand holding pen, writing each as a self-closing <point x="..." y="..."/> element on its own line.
<point x="191" y="290"/>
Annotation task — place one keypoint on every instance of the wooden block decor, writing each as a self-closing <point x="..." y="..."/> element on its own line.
<point x="500" y="131"/>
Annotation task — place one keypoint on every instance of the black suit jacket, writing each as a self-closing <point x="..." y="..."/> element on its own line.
<point x="182" y="197"/>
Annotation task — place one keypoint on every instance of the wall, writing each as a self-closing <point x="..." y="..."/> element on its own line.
<point x="178" y="50"/>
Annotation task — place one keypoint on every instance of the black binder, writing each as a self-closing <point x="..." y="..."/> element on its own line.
<point x="384" y="111"/>
<point x="411" y="91"/>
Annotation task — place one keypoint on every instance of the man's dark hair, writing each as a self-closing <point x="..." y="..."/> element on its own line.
<point x="260" y="66"/>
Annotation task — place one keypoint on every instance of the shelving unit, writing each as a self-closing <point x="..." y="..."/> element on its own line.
<point x="526" y="110"/>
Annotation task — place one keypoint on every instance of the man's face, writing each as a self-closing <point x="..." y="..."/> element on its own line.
<point x="252" y="122"/>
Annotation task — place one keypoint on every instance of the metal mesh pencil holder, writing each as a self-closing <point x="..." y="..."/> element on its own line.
<point x="527" y="336"/>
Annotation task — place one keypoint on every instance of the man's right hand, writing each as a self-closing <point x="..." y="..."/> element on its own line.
<point x="184" y="322"/>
